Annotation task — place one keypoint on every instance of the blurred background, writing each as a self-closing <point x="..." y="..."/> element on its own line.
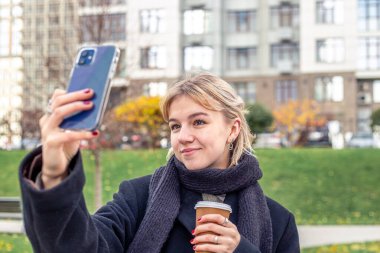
<point x="309" y="71"/>
<point x="272" y="52"/>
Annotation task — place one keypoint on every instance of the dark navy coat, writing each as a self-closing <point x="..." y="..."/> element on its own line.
<point x="57" y="220"/>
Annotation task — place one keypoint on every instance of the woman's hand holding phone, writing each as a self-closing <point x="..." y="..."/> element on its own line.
<point x="59" y="146"/>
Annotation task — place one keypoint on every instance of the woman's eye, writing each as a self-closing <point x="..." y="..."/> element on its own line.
<point x="174" y="126"/>
<point x="199" y="122"/>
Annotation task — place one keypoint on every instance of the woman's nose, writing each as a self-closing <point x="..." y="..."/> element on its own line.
<point x="185" y="135"/>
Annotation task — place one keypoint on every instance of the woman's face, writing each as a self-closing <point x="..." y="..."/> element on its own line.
<point x="199" y="136"/>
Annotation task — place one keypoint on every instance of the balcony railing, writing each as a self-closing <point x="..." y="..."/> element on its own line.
<point x="285" y="66"/>
<point x="286" y="33"/>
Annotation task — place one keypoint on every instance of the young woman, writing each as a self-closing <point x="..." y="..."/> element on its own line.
<point x="210" y="159"/>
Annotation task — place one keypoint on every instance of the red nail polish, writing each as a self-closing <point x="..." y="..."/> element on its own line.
<point x="87" y="91"/>
<point x="199" y="218"/>
<point x="194" y="247"/>
<point x="86" y="102"/>
<point x="95" y="133"/>
<point x="192" y="231"/>
<point x="192" y="240"/>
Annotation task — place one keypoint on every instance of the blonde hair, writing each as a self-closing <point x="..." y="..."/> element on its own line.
<point x="215" y="94"/>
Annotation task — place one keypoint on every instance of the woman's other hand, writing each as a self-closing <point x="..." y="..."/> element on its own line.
<point x="59" y="146"/>
<point x="215" y="233"/>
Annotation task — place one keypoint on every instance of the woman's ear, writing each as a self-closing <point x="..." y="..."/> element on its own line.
<point x="235" y="129"/>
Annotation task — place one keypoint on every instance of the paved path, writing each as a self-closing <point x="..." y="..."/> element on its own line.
<point x="310" y="236"/>
<point x="313" y="236"/>
<point x="11" y="226"/>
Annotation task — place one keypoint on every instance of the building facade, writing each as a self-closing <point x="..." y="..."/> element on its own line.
<point x="50" y="41"/>
<point x="11" y="25"/>
<point x="271" y="51"/>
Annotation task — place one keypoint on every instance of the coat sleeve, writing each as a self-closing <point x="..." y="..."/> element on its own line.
<point x="57" y="220"/>
<point x="289" y="242"/>
<point x="246" y="246"/>
<point x="285" y="234"/>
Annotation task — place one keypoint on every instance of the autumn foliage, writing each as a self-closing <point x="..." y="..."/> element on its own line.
<point x="296" y="117"/>
<point x="143" y="113"/>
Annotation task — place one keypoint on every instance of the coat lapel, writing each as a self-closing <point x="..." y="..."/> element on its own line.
<point x="186" y="214"/>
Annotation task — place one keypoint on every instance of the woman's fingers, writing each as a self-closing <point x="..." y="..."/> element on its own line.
<point x="56" y="93"/>
<point x="211" y="238"/>
<point x="215" y="233"/>
<point x="65" y="110"/>
<point x="56" y="139"/>
<point x="60" y="98"/>
<point x="212" y="227"/>
<point x="217" y="248"/>
<point x="216" y="218"/>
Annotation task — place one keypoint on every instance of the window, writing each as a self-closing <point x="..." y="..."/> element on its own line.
<point x="54" y="34"/>
<point x="329" y="11"/>
<point x="196" y="21"/>
<point x="153" y="57"/>
<point x="152" y="21"/>
<point x="242" y="21"/>
<point x="287" y="52"/>
<point x="376" y="91"/>
<point x="241" y="58"/>
<point x="113" y="27"/>
<point x="246" y="90"/>
<point x="329" y="89"/>
<point x="369" y="53"/>
<point x="286" y="90"/>
<point x="330" y="50"/>
<point x="91" y="3"/>
<point x="198" y="58"/>
<point x="53" y="7"/>
<point x="54" y="20"/>
<point x="369" y="15"/>
<point x="284" y="16"/>
<point x="40" y="8"/>
<point x="155" y="89"/>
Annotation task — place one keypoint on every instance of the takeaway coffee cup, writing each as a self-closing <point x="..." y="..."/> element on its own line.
<point x="209" y="207"/>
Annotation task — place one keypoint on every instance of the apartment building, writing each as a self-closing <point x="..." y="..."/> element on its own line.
<point x="271" y="51"/>
<point x="11" y="25"/>
<point x="105" y="22"/>
<point x="50" y="40"/>
<point x="54" y="31"/>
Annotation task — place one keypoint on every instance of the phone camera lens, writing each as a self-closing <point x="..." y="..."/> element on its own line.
<point x="84" y="53"/>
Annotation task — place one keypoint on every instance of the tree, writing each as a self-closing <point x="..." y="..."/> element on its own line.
<point x="295" y="118"/>
<point x="29" y="123"/>
<point x="375" y="119"/>
<point x="145" y="116"/>
<point x="258" y="118"/>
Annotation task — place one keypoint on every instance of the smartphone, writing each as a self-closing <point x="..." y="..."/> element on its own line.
<point x="93" y="68"/>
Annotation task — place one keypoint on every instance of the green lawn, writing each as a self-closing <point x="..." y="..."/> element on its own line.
<point x="14" y="243"/>
<point x="371" y="247"/>
<point x="320" y="186"/>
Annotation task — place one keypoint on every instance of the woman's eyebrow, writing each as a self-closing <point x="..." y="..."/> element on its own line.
<point x="191" y="116"/>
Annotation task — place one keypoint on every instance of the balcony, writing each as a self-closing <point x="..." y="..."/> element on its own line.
<point x="364" y="98"/>
<point x="286" y="2"/>
<point x="286" y="33"/>
<point x="285" y="66"/>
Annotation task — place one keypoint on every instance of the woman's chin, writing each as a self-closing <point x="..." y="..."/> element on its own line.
<point x="193" y="165"/>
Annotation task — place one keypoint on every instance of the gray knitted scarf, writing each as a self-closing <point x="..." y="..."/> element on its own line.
<point x="254" y="220"/>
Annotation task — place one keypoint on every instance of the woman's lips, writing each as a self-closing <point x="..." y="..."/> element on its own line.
<point x="189" y="151"/>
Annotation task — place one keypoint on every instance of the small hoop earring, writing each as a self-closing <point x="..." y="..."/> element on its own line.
<point x="231" y="145"/>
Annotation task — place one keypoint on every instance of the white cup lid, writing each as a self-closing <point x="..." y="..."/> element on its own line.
<point x="212" y="204"/>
